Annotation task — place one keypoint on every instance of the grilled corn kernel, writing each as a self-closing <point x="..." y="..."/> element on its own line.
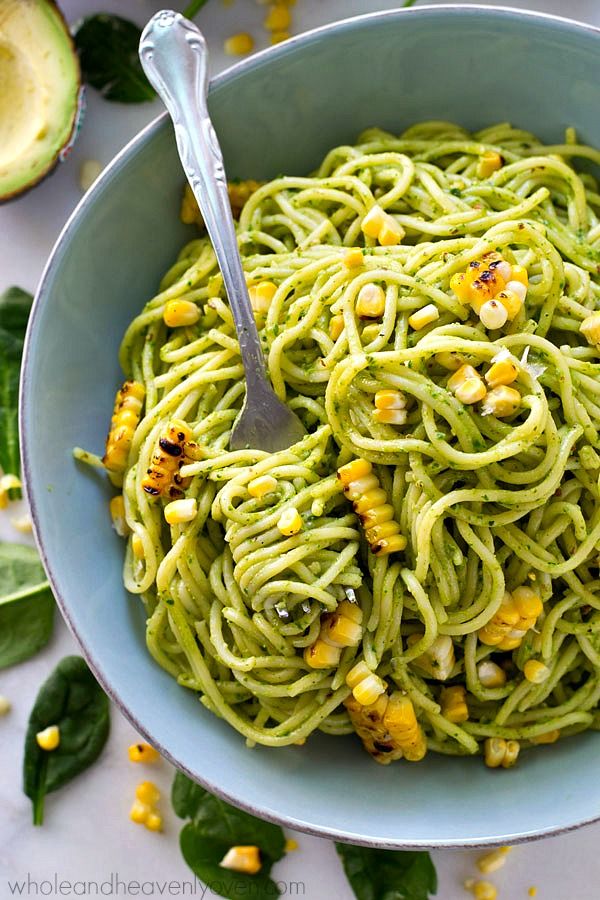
<point x="117" y="514"/>
<point x="354" y="470"/>
<point x="367" y="722"/>
<point x="5" y="705"/>
<point x="139" y="812"/>
<point x="390" y="416"/>
<point x="461" y="287"/>
<point x="125" y="417"/>
<point x="590" y="328"/>
<point x="261" y="295"/>
<point x="489" y="162"/>
<point x="239" y="44"/>
<point x="137" y="546"/>
<point x="353" y="258"/>
<point x="321" y="655"/>
<point x="264" y="484"/>
<point x="493" y="314"/>
<point x="511" y="302"/>
<point x="153" y="821"/>
<point x="535" y="671"/>
<point x="404" y="729"/>
<point x="500" y="373"/>
<point x="340" y="631"/>
<point x="388" y="399"/>
<point x="179" y="313"/>
<point x="518" y="288"/>
<point x="336" y="326"/>
<point x="548" y="737"/>
<point x="377" y="515"/>
<point x="142" y="753"/>
<point x="519" y="273"/>
<point x="179" y="511"/>
<point x="372" y="222"/>
<point x="493" y="861"/>
<point x="424" y="316"/>
<point x="501" y="401"/>
<point x="49" y="738"/>
<point x="453" y="701"/>
<point x="370" y="303"/>
<point x="390" y="233"/>
<point x="163" y="478"/>
<point x="490" y="674"/>
<point x="147" y="792"/>
<point x="393" y="544"/>
<point x="369" y="689"/>
<point x="290" y="522"/>
<point x="242" y="859"/>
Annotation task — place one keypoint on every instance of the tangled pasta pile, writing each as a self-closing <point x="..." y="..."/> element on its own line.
<point x="426" y="305"/>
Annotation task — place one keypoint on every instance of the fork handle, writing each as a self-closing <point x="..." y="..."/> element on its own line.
<point x="174" y="56"/>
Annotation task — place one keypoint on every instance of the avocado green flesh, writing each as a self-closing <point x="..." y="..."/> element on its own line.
<point x="39" y="75"/>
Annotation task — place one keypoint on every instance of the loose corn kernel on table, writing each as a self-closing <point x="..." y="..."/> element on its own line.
<point x="88" y="833"/>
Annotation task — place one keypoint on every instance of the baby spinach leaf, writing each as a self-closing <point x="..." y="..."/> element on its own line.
<point x="72" y="699"/>
<point x="15" y="305"/>
<point x="214" y="828"/>
<point x="26" y="604"/>
<point x="388" y="874"/>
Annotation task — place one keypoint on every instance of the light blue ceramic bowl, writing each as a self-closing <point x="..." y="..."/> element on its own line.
<point x="279" y="112"/>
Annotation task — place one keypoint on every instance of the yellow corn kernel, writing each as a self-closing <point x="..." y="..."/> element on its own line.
<point x="336" y="326"/>
<point x="370" y="303"/>
<point x="321" y="655"/>
<point x="372" y="222"/>
<point x="137" y="546"/>
<point x="147" y="792"/>
<point x="460" y="376"/>
<point x="511" y="754"/>
<point x="388" y="399"/>
<point x="354" y="470"/>
<point x="377" y="515"/>
<point x="49" y="738"/>
<point x="482" y="890"/>
<point x="139" y="812"/>
<point x="357" y="673"/>
<point x="590" y="328"/>
<point x="494" y="751"/>
<point x="467" y="385"/>
<point x="532" y="891"/>
<point x="264" y="484"/>
<point x="179" y="511"/>
<point x="261" y="295"/>
<point x="424" y="316"/>
<point x="519" y="273"/>
<point x="290" y="845"/>
<point x="493" y="861"/>
<point x="126" y="415"/>
<point x="153" y="822"/>
<point x="438" y="660"/>
<point x="5" y="705"/>
<point x="401" y="721"/>
<point x="242" y="859"/>
<point x="493" y="314"/>
<point x="489" y="162"/>
<point x="453" y="701"/>
<point x="548" y="737"/>
<point x="340" y="631"/>
<point x="490" y="674"/>
<point x="535" y="671"/>
<point x="143" y="753"/>
<point x="450" y="360"/>
<point x="390" y="416"/>
<point x="239" y="44"/>
<point x="356" y="489"/>
<point x="179" y="313"/>
<point x="353" y="258"/>
<point x="189" y="211"/>
<point x="278" y="18"/>
<point x="351" y="611"/>
<point x="516" y="287"/>
<point x="290" y="522"/>
<point x="511" y="302"/>
<point x="503" y="372"/>
<point x="501" y="401"/>
<point x="527" y="602"/>
<point x="239" y="192"/>
<point x="117" y="514"/>
<point x="278" y="37"/>
<point x="391" y="232"/>
<point x="394" y="544"/>
<point x="369" y="689"/>
<point x="461" y="287"/>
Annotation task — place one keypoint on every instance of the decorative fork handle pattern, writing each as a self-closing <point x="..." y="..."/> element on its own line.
<point x="174" y="56"/>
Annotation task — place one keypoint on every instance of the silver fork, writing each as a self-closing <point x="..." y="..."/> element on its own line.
<point x="174" y="56"/>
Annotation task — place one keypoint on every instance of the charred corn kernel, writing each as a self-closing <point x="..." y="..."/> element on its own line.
<point x="290" y="845"/>
<point x="368" y="723"/>
<point x="264" y="484"/>
<point x="388" y="399"/>
<point x="482" y="890"/>
<point x="491" y="862"/>
<point x="357" y="673"/>
<point x="142" y="753"/>
<point x="147" y="792"/>
<point x="548" y="737"/>
<point x="321" y="655"/>
<point x="489" y="162"/>
<point x="393" y="544"/>
<point x="179" y="511"/>
<point x="500" y="373"/>
<point x="153" y="821"/>
<point x="390" y="233"/>
<point x="137" y="546"/>
<point x="368" y="690"/>
<point x="261" y="295"/>
<point x="336" y="326"/>
<point x="125" y="418"/>
<point x="239" y="44"/>
<point x="138" y="812"/>
<point x="353" y="258"/>
<point x="438" y="660"/>
<point x="377" y="515"/>
<point x="590" y="328"/>
<point x="117" y="514"/>
<point x="453" y="701"/>
<point x="163" y="478"/>
<point x="518" y="288"/>
<point x="519" y="273"/>
<point x="390" y="416"/>
<point x="340" y="631"/>
<point x="290" y="522"/>
<point x="278" y="18"/>
<point x="180" y="313"/>
<point x="49" y="738"/>
<point x="511" y="302"/>
<point x="535" y="671"/>
<point x="362" y="487"/>
<point x="490" y="674"/>
<point x="501" y="401"/>
<point x="354" y="470"/>
<point x="424" y="316"/>
<point x="5" y="705"/>
<point x="405" y="731"/>
<point x="373" y="221"/>
<point x="492" y="314"/>
<point x="370" y="303"/>
<point x="450" y="360"/>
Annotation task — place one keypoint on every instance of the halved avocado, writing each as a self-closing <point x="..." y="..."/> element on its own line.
<point x="39" y="92"/>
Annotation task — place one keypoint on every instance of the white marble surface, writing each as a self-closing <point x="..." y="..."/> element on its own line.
<point x="87" y="836"/>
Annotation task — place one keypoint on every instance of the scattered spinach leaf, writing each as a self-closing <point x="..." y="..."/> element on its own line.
<point x="72" y="699"/>
<point x="15" y="305"/>
<point x="388" y="874"/>
<point x="214" y="828"/>
<point x="26" y="604"/>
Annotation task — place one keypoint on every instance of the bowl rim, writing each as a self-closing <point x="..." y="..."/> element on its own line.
<point x="57" y="253"/>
